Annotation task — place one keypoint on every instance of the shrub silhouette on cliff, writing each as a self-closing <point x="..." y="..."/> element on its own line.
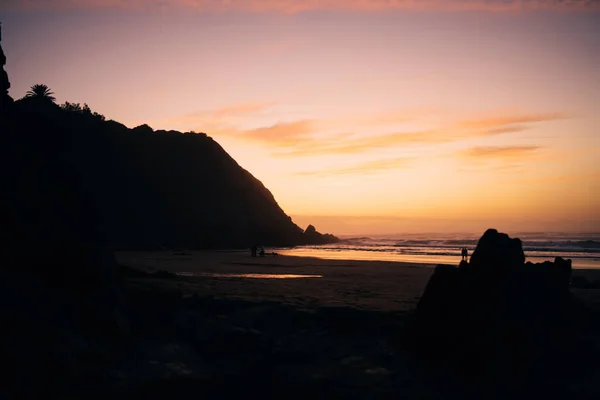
<point x="81" y="110"/>
<point x="41" y="92"/>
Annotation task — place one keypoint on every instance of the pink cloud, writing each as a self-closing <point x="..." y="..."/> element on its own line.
<point x="299" y="6"/>
<point x="562" y="178"/>
<point x="462" y="130"/>
<point x="502" y="152"/>
<point x="369" y="167"/>
<point x="283" y="134"/>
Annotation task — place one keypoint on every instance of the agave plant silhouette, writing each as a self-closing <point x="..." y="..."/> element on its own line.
<point x="41" y="92"/>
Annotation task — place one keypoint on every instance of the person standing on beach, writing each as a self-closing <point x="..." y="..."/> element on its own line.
<point x="464" y="254"/>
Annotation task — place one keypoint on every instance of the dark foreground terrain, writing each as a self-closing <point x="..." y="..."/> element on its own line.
<point x="340" y="336"/>
<point x="196" y="345"/>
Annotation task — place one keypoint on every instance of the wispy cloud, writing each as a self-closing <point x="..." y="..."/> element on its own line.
<point x="299" y="6"/>
<point x="309" y="137"/>
<point x="512" y="120"/>
<point x="502" y="152"/>
<point x="507" y="129"/>
<point x="282" y="134"/>
<point x="240" y="109"/>
<point x="562" y="178"/>
<point x="368" y="167"/>
<point x="215" y="120"/>
<point x="504" y="168"/>
<point x="500" y="159"/>
<point x="352" y="144"/>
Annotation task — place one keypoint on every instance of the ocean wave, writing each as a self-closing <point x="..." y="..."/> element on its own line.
<point x="356" y="239"/>
<point x="453" y="251"/>
<point x="540" y="245"/>
<point x="587" y="243"/>
<point x="576" y="246"/>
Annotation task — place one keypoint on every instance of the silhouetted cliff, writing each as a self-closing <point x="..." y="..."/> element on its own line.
<point x="68" y="172"/>
<point x="5" y="99"/>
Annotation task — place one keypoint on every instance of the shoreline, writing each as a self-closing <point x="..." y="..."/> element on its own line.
<point x="430" y="259"/>
<point x="303" y="282"/>
<point x="373" y="285"/>
<point x="234" y="256"/>
<point x="242" y="257"/>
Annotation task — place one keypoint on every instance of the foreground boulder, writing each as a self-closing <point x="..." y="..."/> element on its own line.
<point x="497" y="251"/>
<point x="62" y="308"/>
<point x="497" y="315"/>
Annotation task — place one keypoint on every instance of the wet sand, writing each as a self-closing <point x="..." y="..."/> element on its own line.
<point x="300" y="281"/>
<point x="304" y="282"/>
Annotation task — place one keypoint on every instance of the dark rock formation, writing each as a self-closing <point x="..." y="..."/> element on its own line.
<point x="5" y="99"/>
<point x="495" y="315"/>
<point x="497" y="251"/>
<point x="61" y="305"/>
<point x="138" y="188"/>
<point x="312" y="236"/>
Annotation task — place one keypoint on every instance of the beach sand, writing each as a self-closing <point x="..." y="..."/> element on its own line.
<point x="340" y="335"/>
<point x="310" y="282"/>
<point x="369" y="285"/>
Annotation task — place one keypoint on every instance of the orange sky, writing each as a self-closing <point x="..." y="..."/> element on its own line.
<point x="420" y="115"/>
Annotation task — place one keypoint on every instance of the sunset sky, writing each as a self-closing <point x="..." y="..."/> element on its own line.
<point x="360" y="116"/>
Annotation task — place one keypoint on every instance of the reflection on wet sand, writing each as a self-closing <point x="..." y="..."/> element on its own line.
<point x="252" y="276"/>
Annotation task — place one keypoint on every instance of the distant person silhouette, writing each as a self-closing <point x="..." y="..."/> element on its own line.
<point x="253" y="250"/>
<point x="464" y="254"/>
<point x="260" y="250"/>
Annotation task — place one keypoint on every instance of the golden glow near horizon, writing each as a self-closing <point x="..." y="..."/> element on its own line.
<point x="421" y="116"/>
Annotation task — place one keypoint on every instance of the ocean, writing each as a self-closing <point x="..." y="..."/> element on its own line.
<point x="582" y="248"/>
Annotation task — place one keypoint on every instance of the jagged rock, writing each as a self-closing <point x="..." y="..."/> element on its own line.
<point x="5" y="99"/>
<point x="555" y="275"/>
<point x="496" y="314"/>
<point x="497" y="250"/>
<point x="312" y="236"/>
<point x="310" y="230"/>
